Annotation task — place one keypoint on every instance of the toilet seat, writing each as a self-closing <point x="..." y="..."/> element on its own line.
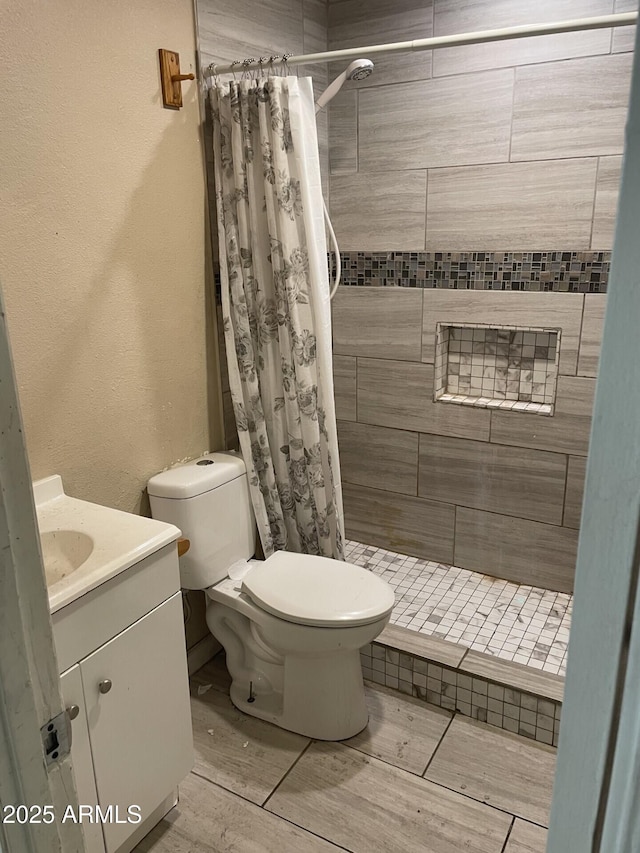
<point x="318" y="591"/>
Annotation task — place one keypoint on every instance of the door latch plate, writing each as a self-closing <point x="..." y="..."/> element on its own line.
<point x="56" y="738"/>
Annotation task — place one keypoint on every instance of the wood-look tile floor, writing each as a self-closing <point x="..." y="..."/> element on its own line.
<point x="417" y="779"/>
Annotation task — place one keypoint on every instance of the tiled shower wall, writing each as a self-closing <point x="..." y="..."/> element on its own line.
<point x="459" y="179"/>
<point x="510" y="146"/>
<point x="487" y="490"/>
<point x="230" y="30"/>
<point x="499" y="166"/>
<point x="237" y="29"/>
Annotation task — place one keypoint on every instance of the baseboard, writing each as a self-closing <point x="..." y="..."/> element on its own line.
<point x="202" y="652"/>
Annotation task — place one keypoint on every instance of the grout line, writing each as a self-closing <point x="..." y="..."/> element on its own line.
<point x="506" y="841"/>
<point x="483" y="802"/>
<point x="613" y="29"/>
<point x="593" y="207"/>
<point x="455" y="530"/>
<point x="576" y="374"/>
<point x="356" y="390"/>
<point x="357" y="91"/>
<point x="566" y="488"/>
<point x="273" y="814"/>
<point x="218" y="785"/>
<point x="389" y="763"/>
<point x="422" y="310"/>
<point x="287" y="773"/>
<point x="439" y="744"/>
<point x="578" y="158"/>
<point x="426" y="211"/>
<point x="223" y="788"/>
<point x="501" y="514"/>
<point x="540" y="61"/>
<point x="513" y="104"/>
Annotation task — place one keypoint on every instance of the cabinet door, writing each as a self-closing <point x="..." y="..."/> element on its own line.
<point x="71" y="686"/>
<point x="140" y="729"/>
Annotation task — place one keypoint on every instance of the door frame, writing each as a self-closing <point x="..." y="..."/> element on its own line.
<point x="597" y="778"/>
<point x="29" y="682"/>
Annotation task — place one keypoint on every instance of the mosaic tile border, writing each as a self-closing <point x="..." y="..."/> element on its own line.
<point x="563" y="272"/>
<point x="520" y="712"/>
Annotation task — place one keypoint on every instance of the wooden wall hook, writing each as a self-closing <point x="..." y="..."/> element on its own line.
<point x="171" y="79"/>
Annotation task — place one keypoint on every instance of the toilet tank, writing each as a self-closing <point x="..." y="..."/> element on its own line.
<point x="208" y="499"/>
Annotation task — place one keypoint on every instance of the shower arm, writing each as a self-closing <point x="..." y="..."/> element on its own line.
<point x="620" y="19"/>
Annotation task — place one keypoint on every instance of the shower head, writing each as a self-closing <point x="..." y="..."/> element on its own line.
<point x="359" y="69"/>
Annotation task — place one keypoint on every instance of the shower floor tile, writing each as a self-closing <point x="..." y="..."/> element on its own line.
<point x="524" y="624"/>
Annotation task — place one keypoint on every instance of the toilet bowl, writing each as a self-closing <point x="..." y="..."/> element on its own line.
<point x="291" y="625"/>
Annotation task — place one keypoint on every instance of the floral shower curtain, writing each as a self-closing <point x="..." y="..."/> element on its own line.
<point x="275" y="303"/>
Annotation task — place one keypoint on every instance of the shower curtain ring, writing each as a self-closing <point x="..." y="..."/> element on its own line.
<point x="246" y="74"/>
<point x="285" y="59"/>
<point x="233" y="70"/>
<point x="261" y="60"/>
<point x="213" y="68"/>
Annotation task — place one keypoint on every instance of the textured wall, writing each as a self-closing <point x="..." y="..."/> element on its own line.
<point x="507" y="146"/>
<point x="102" y="254"/>
<point x="496" y="492"/>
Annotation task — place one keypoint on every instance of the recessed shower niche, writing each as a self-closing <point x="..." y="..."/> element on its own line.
<point x="497" y="367"/>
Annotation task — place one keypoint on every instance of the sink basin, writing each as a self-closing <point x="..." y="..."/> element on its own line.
<point x="85" y="545"/>
<point x="64" y="551"/>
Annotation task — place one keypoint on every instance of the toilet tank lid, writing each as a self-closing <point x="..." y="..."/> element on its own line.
<point x="194" y="478"/>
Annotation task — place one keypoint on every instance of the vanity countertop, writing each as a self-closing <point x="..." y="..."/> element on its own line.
<point x="85" y="544"/>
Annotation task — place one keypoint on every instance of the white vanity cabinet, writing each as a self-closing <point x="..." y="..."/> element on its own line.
<point x="71" y="685"/>
<point x="128" y="685"/>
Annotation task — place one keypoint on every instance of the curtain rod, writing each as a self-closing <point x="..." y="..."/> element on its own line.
<point x="618" y="20"/>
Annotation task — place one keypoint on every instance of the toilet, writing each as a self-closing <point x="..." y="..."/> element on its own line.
<point x="291" y="625"/>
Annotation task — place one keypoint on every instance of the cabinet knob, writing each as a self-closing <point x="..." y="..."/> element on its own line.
<point x="73" y="711"/>
<point x="105" y="685"/>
